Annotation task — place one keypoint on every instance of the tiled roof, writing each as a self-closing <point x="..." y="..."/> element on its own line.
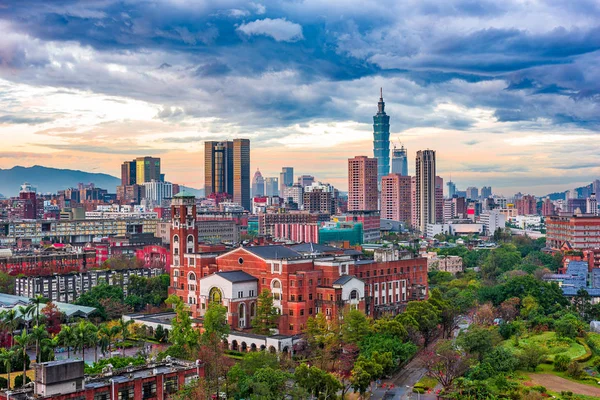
<point x="236" y="276"/>
<point x="273" y="252"/>
<point x="342" y="280"/>
<point x="314" y="248"/>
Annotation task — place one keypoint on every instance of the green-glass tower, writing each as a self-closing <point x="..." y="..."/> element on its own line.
<point x="381" y="139"/>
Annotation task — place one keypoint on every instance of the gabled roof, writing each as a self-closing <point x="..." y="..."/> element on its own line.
<point x="342" y="280"/>
<point x="236" y="276"/>
<point x="314" y="248"/>
<point x="275" y="252"/>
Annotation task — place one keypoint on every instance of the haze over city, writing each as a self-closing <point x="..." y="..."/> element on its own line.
<point x="507" y="94"/>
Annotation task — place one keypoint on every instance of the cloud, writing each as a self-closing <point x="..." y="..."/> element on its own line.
<point x="16" y="119"/>
<point x="279" y="29"/>
<point x="23" y="154"/>
<point x="105" y="149"/>
<point x="472" y="142"/>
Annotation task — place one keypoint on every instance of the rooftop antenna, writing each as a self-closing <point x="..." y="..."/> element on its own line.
<point x="381" y="92"/>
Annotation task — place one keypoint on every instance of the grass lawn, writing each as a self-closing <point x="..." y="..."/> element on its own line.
<point x="426" y="383"/>
<point x="549" y="342"/>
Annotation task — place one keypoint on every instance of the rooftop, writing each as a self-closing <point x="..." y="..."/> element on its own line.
<point x="275" y="252"/>
<point x="236" y="276"/>
<point x="70" y="310"/>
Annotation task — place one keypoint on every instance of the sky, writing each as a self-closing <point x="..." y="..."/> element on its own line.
<point x="507" y="93"/>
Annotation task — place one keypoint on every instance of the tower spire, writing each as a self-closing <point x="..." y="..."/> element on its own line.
<point x="381" y="93"/>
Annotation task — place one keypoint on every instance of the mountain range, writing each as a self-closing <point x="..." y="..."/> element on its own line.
<point x="51" y="180"/>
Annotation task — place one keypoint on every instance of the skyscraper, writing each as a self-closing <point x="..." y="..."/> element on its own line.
<point x="286" y="178"/>
<point x="396" y="198"/>
<point x="472" y="193"/>
<point x="399" y="161"/>
<point x="258" y="184"/>
<point x="425" y="189"/>
<point x="271" y="186"/>
<point x="486" y="192"/>
<point x="147" y="169"/>
<point x="241" y="172"/>
<point x="306" y="180"/>
<point x="128" y="172"/>
<point x="227" y="169"/>
<point x="439" y="199"/>
<point x="381" y="140"/>
<point x="362" y="184"/>
<point x="451" y="189"/>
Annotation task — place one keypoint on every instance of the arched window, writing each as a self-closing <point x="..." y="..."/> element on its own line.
<point x="252" y="310"/>
<point x="215" y="295"/>
<point x="192" y="276"/>
<point x="276" y="284"/>
<point x="175" y="239"/>
<point x="190" y="239"/>
<point x="354" y="294"/>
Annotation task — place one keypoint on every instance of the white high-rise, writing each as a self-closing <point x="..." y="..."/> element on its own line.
<point x="425" y="189"/>
<point x="156" y="191"/>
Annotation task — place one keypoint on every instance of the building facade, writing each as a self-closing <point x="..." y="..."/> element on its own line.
<point x="381" y="140"/>
<point x="399" y="161"/>
<point x="579" y="232"/>
<point x="147" y="169"/>
<point x="425" y="190"/>
<point x="396" y="197"/>
<point x="362" y="184"/>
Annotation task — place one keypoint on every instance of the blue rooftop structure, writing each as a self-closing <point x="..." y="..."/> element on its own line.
<point x="577" y="277"/>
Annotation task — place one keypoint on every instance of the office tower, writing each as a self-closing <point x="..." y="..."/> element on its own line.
<point x="399" y="161"/>
<point x="147" y="169"/>
<point x="472" y="193"/>
<point x="218" y="167"/>
<point x="425" y="189"/>
<point x="241" y="172"/>
<point x="295" y="193"/>
<point x="527" y="205"/>
<point x="486" y="192"/>
<point x="362" y="184"/>
<point x="592" y="205"/>
<point x="227" y="169"/>
<point x="286" y="178"/>
<point x="439" y="200"/>
<point x="381" y="140"/>
<point x="155" y="192"/>
<point x="413" y="202"/>
<point x="395" y="198"/>
<point x="128" y="173"/>
<point x="306" y="180"/>
<point x="319" y="201"/>
<point x="271" y="187"/>
<point x="451" y="189"/>
<point x="596" y="186"/>
<point x="258" y="184"/>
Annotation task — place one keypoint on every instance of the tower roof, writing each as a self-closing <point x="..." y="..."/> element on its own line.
<point x="184" y="194"/>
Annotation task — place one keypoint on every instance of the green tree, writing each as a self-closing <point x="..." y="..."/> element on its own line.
<point x="266" y="315"/>
<point x="561" y="362"/>
<point x="184" y="337"/>
<point x="38" y="333"/>
<point x="66" y="338"/>
<point x="365" y="371"/>
<point x="531" y="356"/>
<point x="568" y="326"/>
<point x="10" y="321"/>
<point x="123" y="329"/>
<point x="215" y="323"/>
<point x="102" y="293"/>
<point x="355" y="326"/>
<point x="446" y="363"/>
<point x="23" y="340"/>
<point x="269" y="383"/>
<point x="82" y="334"/>
<point x="7" y="283"/>
<point x="6" y="358"/>
<point x="317" y="382"/>
<point x="37" y="302"/>
<point x="427" y="317"/>
<point x="477" y="340"/>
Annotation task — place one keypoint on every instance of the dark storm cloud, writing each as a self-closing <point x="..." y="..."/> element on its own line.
<point x="279" y="63"/>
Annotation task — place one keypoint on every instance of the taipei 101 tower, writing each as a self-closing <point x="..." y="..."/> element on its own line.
<point x="381" y="140"/>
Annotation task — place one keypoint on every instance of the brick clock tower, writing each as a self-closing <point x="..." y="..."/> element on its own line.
<point x="184" y="240"/>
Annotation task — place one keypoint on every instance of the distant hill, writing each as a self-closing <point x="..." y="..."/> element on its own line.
<point x="51" y="179"/>
<point x="195" y="192"/>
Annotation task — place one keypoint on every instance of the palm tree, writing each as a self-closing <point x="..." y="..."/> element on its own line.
<point x="10" y="322"/>
<point x="37" y="301"/>
<point x="93" y="339"/>
<point x="124" y="330"/>
<point x="104" y="339"/>
<point x="23" y="340"/>
<point x="26" y="311"/>
<point x="6" y="357"/>
<point x="82" y="336"/>
<point x="48" y="345"/>
<point x="66" y="337"/>
<point x="38" y="333"/>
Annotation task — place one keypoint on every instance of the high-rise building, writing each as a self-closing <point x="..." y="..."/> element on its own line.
<point x="241" y="172"/>
<point x="147" y="169"/>
<point x="596" y="186"/>
<point x="439" y="200"/>
<point x="306" y="180"/>
<point x="128" y="173"/>
<point x="362" y="184"/>
<point x="319" y="201"/>
<point x="425" y="189"/>
<point x="286" y="178"/>
<point x="271" y="187"/>
<point x="258" y="184"/>
<point x="548" y="208"/>
<point x="486" y="192"/>
<point x="451" y="189"/>
<point x="399" y="161"/>
<point x="472" y="193"/>
<point x="395" y="198"/>
<point x="381" y="139"/>
<point x="227" y="169"/>
<point x="527" y="205"/>
<point x="295" y="193"/>
<point x="156" y="191"/>
<point x="592" y="205"/>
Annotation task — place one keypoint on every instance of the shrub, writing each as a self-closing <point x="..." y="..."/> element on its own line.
<point x="3" y="383"/>
<point x="19" y="380"/>
<point x="575" y="370"/>
<point x="540" y="388"/>
<point x="561" y="362"/>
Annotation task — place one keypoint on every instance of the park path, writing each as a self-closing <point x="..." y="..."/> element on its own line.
<point x="558" y="384"/>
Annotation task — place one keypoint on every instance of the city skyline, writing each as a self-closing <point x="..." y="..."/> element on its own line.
<point x="500" y="96"/>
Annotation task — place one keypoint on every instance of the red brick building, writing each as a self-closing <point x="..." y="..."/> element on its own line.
<point x="304" y="279"/>
<point x="49" y="261"/>
<point x="580" y="231"/>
